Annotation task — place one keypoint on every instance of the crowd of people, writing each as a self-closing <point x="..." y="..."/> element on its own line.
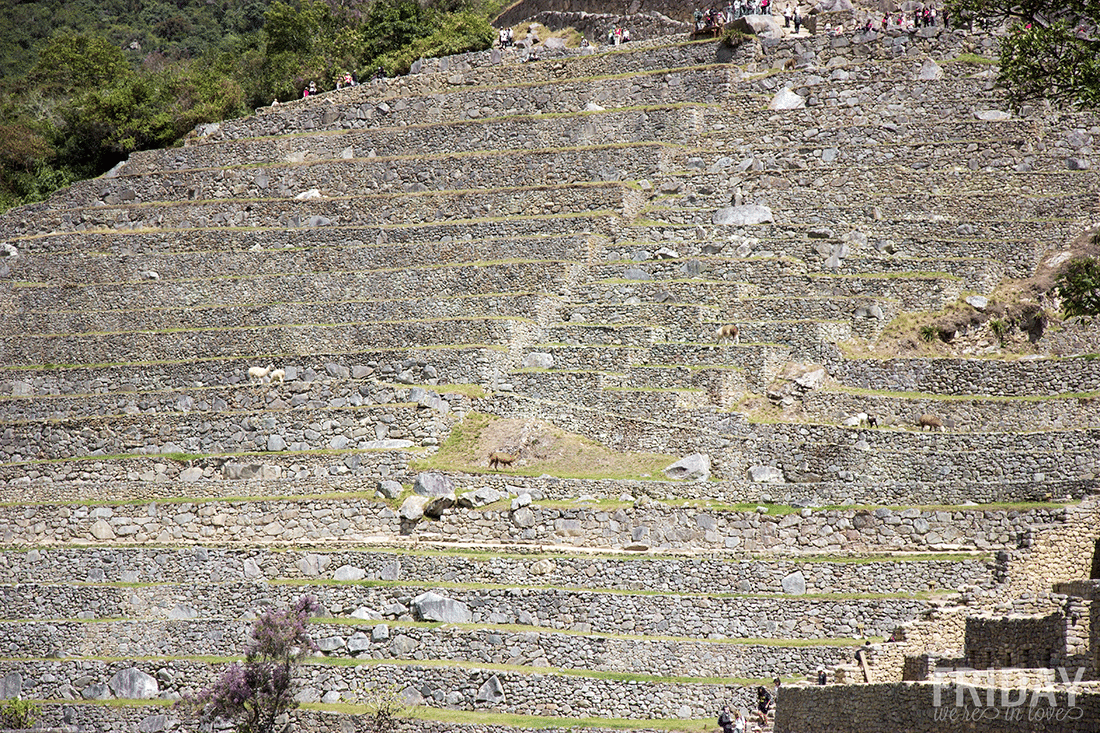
<point x="716" y="17"/>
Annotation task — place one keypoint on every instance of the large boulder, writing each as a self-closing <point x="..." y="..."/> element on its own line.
<point x="786" y="99"/>
<point x="766" y="475"/>
<point x="412" y="509"/>
<point x="695" y="467"/>
<point x="133" y="684"/>
<point x="740" y="216"/>
<point x="434" y="607"/>
<point x="491" y="692"/>
<point x="765" y="26"/>
<point x="433" y="484"/>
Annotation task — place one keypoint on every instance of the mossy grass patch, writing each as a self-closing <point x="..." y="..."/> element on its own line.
<point x="542" y="449"/>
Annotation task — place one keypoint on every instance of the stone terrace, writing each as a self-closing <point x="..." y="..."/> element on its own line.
<point x="536" y="242"/>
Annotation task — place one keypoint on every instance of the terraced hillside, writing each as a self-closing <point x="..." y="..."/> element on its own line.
<point x="534" y="258"/>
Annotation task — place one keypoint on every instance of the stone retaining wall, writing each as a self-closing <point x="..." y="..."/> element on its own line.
<point x="153" y="718"/>
<point x="972" y="415"/>
<point x="852" y="708"/>
<point x="279" y="522"/>
<point x="970" y="376"/>
<point x="395" y="641"/>
<point x="773" y="616"/>
<point x="707" y="573"/>
<point x="543" y="693"/>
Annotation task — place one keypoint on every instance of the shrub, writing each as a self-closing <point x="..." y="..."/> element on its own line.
<point x="929" y="334"/>
<point x="733" y="38"/>
<point x="256" y="693"/>
<point x="1079" y="287"/>
<point x="18" y="714"/>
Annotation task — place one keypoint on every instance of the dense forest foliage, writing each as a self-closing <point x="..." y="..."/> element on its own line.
<point x="87" y="82"/>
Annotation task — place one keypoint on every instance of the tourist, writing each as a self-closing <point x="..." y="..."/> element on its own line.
<point x="763" y="703"/>
<point x="821" y="678"/>
<point x="797" y="21"/>
<point x="698" y="15"/>
<point x="787" y="15"/>
<point x="725" y="720"/>
<point x="739" y="724"/>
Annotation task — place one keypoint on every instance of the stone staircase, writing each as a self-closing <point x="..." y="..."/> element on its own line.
<point x="532" y="242"/>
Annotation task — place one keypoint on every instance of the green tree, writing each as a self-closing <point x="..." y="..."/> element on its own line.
<point x="76" y="62"/>
<point x="1078" y="285"/>
<point x="1052" y="49"/>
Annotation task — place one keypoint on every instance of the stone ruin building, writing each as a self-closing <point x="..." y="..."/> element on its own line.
<point x="546" y="247"/>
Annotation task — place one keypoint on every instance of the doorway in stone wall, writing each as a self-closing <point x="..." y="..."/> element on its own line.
<point x="1096" y="562"/>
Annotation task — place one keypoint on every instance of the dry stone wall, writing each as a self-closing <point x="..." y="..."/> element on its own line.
<point x="401" y="640"/>
<point x="687" y="574"/>
<point x="278" y="522"/>
<point x="771" y="616"/>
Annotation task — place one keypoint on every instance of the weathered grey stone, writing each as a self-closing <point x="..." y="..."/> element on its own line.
<point x="11" y="686"/>
<point x="412" y="508"/>
<point x="544" y="566"/>
<point x="330" y="643"/>
<point x="635" y="273"/>
<point x="437" y="506"/>
<point x="390" y="489"/>
<point x="538" y="360"/>
<point x="978" y="302"/>
<point x="349" y="572"/>
<point x="434" y="607"/>
<point x="379" y="632"/>
<point x="433" y="484"/>
<point x="133" y="684"/>
<point x="992" y="115"/>
<point x="785" y="99"/>
<point x="402" y="646"/>
<point x="765" y="26"/>
<point x="795" y="583"/>
<point x="190" y="475"/>
<point x="766" y="475"/>
<point x="1078" y="164"/>
<point x="746" y="215"/>
<point x="491" y="692"/>
<point x="101" y="530"/>
<point x="275" y="443"/>
<point x="338" y="371"/>
<point x="360" y="642"/>
<point x="930" y="71"/>
<point x="391" y="571"/>
<point x="479" y="497"/>
<point x="153" y="723"/>
<point x="523" y="517"/>
<point x="695" y="467"/>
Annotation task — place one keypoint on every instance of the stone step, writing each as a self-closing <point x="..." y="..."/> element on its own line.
<point x="775" y="616"/>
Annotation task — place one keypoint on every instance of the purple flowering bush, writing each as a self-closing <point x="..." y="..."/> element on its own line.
<point x="257" y="692"/>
